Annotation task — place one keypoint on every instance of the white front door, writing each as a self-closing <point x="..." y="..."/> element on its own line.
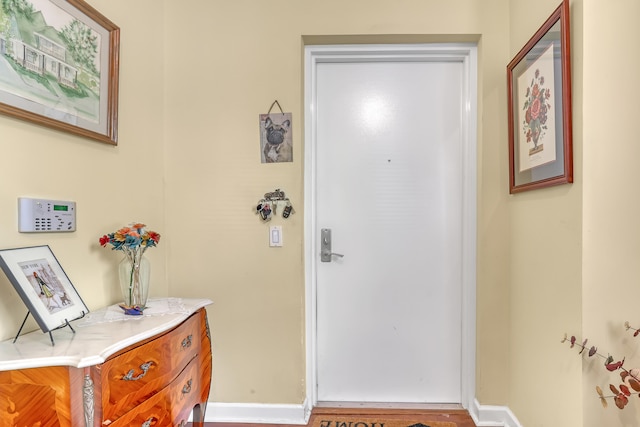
<point x="387" y="148"/>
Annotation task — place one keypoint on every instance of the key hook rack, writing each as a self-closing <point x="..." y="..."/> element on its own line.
<point x="268" y="205"/>
<point x="275" y="195"/>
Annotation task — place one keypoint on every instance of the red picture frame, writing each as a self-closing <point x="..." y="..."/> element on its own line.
<point x="539" y="97"/>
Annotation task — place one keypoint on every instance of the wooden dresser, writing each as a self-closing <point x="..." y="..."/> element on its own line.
<point x="152" y="370"/>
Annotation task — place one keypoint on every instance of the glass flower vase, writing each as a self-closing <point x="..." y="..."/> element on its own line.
<point x="134" y="272"/>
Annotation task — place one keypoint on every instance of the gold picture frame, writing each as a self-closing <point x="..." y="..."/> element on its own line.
<point x="59" y="67"/>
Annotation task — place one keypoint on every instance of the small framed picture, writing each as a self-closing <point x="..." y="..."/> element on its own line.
<point x="43" y="285"/>
<point x="539" y="89"/>
<point x="276" y="144"/>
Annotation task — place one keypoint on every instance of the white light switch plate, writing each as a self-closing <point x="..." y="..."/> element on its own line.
<point x="275" y="236"/>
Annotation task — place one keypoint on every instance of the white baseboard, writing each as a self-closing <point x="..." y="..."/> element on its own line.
<point x="492" y="416"/>
<point x="257" y="413"/>
<point x="482" y="415"/>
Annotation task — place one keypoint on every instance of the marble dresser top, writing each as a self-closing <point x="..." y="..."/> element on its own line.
<point x="97" y="336"/>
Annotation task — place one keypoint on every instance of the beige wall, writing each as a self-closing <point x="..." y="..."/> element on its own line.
<point x="611" y="229"/>
<point x="226" y="63"/>
<point x="545" y="245"/>
<point x="112" y="186"/>
<point x="194" y="77"/>
<point x="574" y="251"/>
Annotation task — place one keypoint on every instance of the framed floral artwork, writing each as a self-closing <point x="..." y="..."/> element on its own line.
<point x="43" y="285"/>
<point x="539" y="95"/>
<point x="59" y="62"/>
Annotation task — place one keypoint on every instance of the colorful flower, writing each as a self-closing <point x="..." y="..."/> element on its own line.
<point x="536" y="107"/>
<point x="133" y="241"/>
<point x="133" y="238"/>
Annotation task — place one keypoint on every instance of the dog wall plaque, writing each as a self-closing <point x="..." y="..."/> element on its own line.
<point x="275" y="138"/>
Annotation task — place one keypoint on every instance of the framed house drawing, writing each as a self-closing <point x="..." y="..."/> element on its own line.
<point x="59" y="62"/>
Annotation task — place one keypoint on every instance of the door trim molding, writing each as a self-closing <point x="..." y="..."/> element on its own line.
<point x="467" y="55"/>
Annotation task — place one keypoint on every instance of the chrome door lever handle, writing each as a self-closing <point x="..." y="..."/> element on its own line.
<point x="325" y="246"/>
<point x="330" y="254"/>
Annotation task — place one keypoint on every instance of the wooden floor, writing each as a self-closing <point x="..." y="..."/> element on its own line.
<point x="459" y="416"/>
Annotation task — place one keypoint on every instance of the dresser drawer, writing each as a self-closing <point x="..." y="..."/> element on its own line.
<point x="34" y="397"/>
<point x="133" y="377"/>
<point x="169" y="407"/>
<point x="185" y="392"/>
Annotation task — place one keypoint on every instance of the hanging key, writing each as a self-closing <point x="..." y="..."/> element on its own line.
<point x="265" y="213"/>
<point x="288" y="210"/>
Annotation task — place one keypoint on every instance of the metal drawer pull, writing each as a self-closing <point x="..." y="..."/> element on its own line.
<point x="148" y="422"/>
<point x="145" y="367"/>
<point x="186" y="343"/>
<point x="187" y="387"/>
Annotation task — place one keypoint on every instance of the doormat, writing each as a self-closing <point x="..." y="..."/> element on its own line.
<point x="359" y="421"/>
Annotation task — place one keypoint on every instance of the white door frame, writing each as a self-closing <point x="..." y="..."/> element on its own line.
<point x="467" y="55"/>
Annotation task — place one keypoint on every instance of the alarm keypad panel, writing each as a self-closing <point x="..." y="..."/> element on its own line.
<point x="46" y="216"/>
